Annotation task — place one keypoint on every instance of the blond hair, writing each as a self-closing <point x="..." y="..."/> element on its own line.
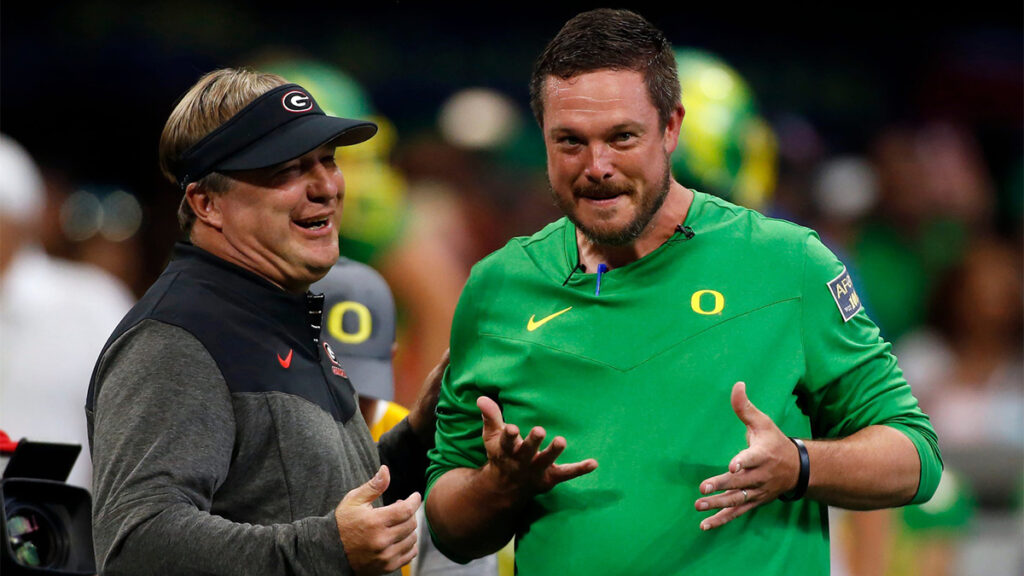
<point x="210" y="102"/>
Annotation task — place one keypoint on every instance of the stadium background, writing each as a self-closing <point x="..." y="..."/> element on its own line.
<point x="87" y="85"/>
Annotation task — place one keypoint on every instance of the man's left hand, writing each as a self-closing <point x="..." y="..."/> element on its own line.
<point x="767" y="468"/>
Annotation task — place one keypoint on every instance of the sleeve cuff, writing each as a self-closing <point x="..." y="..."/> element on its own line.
<point x="931" y="462"/>
<point x="323" y="543"/>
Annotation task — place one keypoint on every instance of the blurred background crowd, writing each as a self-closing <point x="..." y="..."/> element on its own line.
<point x="897" y="134"/>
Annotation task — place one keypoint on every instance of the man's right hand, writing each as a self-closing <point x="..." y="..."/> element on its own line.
<point x="515" y="465"/>
<point x="474" y="511"/>
<point x="377" y="540"/>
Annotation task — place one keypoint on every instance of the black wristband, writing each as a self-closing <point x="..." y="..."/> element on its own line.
<point x="804" y="476"/>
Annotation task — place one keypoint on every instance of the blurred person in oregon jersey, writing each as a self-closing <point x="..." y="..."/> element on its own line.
<point x="55" y="315"/>
<point x="359" y="334"/>
<point x="401" y="235"/>
<point x="632" y="331"/>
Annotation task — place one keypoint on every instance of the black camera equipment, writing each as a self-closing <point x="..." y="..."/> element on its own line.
<point x="46" y="525"/>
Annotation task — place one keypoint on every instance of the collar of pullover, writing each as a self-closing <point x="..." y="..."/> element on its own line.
<point x="296" y="312"/>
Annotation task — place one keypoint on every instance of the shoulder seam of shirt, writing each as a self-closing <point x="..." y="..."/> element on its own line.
<point x="520" y="243"/>
<point x="737" y="209"/>
<point x="803" y="285"/>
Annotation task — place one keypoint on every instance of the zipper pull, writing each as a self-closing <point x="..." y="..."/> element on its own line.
<point x="601" y="269"/>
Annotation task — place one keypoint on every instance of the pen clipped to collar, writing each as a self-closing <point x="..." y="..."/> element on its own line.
<point x="601" y="269"/>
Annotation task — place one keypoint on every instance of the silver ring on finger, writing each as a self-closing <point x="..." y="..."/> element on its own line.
<point x="745" y="496"/>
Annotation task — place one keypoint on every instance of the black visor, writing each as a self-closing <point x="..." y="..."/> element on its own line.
<point x="282" y="124"/>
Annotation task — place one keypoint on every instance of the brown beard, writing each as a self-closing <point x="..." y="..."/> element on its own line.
<point x="631" y="231"/>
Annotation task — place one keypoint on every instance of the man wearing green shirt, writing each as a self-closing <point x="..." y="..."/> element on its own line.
<point x="717" y="363"/>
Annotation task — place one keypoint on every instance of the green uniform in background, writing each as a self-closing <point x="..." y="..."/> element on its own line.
<point x="637" y="373"/>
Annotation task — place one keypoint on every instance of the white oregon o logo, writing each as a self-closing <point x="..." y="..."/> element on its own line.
<point x="296" y="101"/>
<point x="695" y="302"/>
<point x="337" y="330"/>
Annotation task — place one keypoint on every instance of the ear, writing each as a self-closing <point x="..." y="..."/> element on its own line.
<point x="205" y="205"/>
<point x="675" y="121"/>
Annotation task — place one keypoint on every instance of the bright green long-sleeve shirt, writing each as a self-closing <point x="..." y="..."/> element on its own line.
<point x="637" y="374"/>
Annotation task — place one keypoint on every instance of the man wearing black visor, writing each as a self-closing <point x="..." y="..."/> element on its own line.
<point x="225" y="435"/>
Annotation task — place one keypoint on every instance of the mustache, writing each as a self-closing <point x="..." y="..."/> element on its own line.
<point x="602" y="190"/>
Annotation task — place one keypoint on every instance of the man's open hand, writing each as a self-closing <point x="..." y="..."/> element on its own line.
<point x="516" y="464"/>
<point x="768" y="467"/>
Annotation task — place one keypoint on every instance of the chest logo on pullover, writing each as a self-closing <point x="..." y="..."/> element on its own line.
<point x="707" y="302"/>
<point x="335" y="367"/>
<point x="534" y="324"/>
<point x="285" y="362"/>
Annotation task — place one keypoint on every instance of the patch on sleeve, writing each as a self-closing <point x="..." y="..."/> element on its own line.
<point x="845" y="296"/>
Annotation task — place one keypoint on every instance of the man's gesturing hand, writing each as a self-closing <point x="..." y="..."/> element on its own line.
<point x="515" y="465"/>
<point x="377" y="540"/>
<point x="768" y="467"/>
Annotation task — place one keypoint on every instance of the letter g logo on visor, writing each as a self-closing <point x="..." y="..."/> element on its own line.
<point x="265" y="133"/>
<point x="297" y="101"/>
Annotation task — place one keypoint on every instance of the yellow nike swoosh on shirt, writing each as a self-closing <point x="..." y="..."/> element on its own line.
<point x="534" y="324"/>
